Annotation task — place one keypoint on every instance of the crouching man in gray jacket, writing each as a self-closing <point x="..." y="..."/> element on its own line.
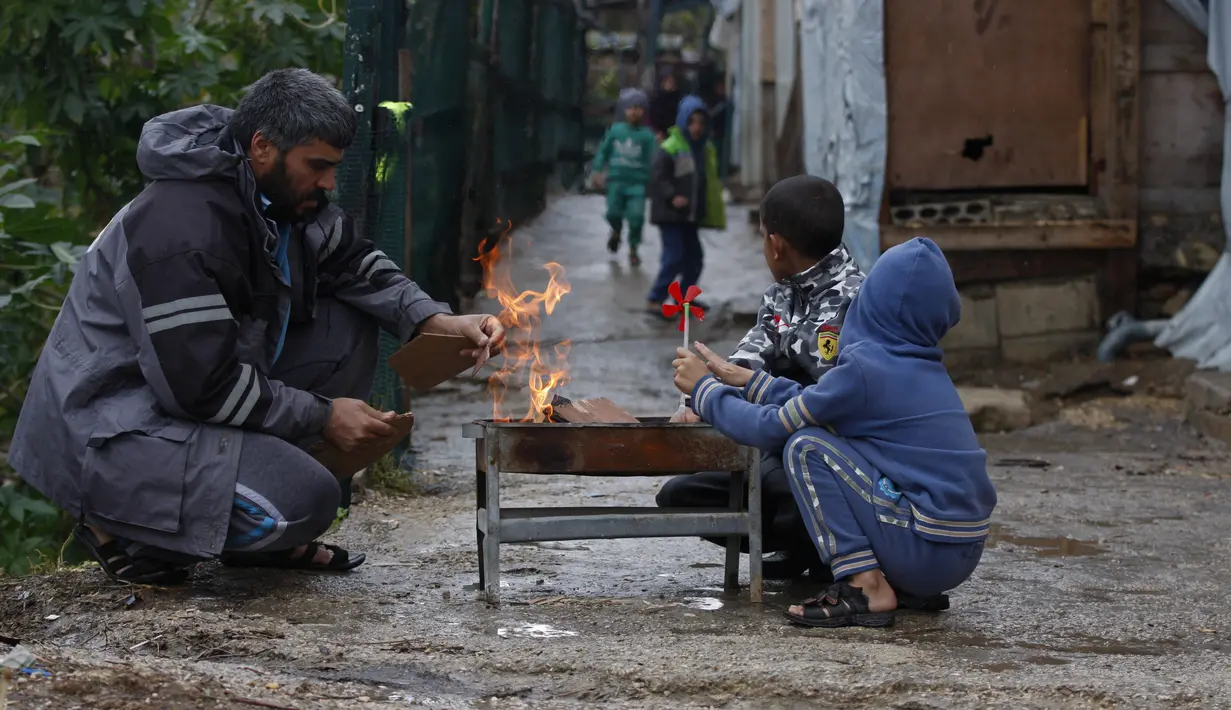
<point x="224" y="320"/>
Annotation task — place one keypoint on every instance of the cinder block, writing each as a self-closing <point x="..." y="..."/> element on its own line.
<point x="1053" y="346"/>
<point x="1209" y="391"/>
<point x="972" y="358"/>
<point x="1038" y="308"/>
<point x="927" y="213"/>
<point x="1214" y="426"/>
<point x="993" y="410"/>
<point x="978" y="327"/>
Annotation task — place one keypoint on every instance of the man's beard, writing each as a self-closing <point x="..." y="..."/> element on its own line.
<point x="284" y="204"/>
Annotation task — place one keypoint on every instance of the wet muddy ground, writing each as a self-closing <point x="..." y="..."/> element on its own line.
<point x="1104" y="584"/>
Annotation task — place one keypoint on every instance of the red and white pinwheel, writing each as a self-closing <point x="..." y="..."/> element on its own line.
<point x="683" y="305"/>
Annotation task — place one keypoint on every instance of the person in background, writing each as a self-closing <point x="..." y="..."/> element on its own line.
<point x="626" y="152"/>
<point x="664" y="102"/>
<point x="686" y="195"/>
<point x="720" y="117"/>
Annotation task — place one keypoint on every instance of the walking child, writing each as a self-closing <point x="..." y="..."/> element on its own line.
<point x="686" y="195"/>
<point x="626" y="152"/>
<point x="881" y="456"/>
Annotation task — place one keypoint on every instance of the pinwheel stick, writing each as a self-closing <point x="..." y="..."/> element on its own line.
<point x="687" y="308"/>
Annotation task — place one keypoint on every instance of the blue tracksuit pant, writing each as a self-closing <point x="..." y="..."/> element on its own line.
<point x="682" y="258"/>
<point x="859" y="521"/>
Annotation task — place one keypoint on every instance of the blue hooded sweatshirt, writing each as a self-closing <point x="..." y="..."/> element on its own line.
<point x="889" y="399"/>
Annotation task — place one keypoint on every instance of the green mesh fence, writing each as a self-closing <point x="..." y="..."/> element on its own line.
<point x="496" y="88"/>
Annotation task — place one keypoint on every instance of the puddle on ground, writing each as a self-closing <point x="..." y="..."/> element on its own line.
<point x="559" y="545"/>
<point x="1044" y="546"/>
<point x="534" y="631"/>
<point x="702" y="603"/>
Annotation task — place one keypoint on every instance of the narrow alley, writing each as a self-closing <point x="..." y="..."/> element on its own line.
<point x="1103" y="586"/>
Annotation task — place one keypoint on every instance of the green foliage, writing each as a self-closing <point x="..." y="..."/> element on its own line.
<point x="38" y="251"/>
<point x="77" y="82"/>
<point x="387" y="476"/>
<point x="30" y="528"/>
<point x="94" y="72"/>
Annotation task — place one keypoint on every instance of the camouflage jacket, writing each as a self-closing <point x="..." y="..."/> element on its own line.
<point x="797" y="328"/>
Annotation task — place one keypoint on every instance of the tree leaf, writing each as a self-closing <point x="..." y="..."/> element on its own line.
<point x="5" y="299"/>
<point x="64" y="253"/>
<point x="16" y="185"/>
<point x="74" y="108"/>
<point x="16" y="202"/>
<point x="25" y="139"/>
<point x="28" y="287"/>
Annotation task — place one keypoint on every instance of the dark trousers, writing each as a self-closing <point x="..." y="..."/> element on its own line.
<point x="682" y="258"/>
<point x="782" y="525"/>
<point x="283" y="497"/>
<point x="857" y="529"/>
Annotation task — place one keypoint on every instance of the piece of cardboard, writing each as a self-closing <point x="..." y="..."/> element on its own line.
<point x="592" y="411"/>
<point x="342" y="464"/>
<point x="429" y="359"/>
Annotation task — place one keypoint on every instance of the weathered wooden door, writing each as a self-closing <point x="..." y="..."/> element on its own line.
<point x="987" y="93"/>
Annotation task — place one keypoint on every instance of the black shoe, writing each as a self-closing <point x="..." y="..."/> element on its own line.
<point x="634" y="259"/>
<point x="933" y="604"/>
<point x="613" y="242"/>
<point x="787" y="565"/>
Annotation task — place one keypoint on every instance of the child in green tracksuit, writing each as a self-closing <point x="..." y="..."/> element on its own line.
<point x="626" y="151"/>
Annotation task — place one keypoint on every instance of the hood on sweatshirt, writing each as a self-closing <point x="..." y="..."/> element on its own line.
<point x="688" y="106"/>
<point x="188" y="144"/>
<point x="907" y="302"/>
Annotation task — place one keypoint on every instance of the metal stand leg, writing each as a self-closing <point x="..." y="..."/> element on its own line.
<point x="491" y="541"/>
<point x="735" y="503"/>
<point x="480" y="503"/>
<point x="756" y="577"/>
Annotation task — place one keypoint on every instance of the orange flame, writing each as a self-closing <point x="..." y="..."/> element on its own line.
<point x="521" y="313"/>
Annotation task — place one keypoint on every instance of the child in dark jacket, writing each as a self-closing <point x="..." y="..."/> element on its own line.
<point x="882" y="458"/>
<point x="685" y="195"/>
<point x="795" y="336"/>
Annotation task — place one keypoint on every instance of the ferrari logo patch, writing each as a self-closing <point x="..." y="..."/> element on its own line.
<point x="827" y="342"/>
<point x="828" y="345"/>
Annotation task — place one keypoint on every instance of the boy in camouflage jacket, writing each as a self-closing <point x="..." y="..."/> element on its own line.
<point x="796" y="336"/>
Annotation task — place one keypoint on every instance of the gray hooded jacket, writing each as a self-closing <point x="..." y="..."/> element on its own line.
<point x="159" y="360"/>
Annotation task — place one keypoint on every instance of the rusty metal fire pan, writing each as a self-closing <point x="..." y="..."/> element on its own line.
<point x="651" y="447"/>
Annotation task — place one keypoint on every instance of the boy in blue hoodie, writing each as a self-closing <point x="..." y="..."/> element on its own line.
<point x="685" y="196"/>
<point x="882" y="458"/>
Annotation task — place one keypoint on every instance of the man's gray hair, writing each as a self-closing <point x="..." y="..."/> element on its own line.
<point x="292" y="107"/>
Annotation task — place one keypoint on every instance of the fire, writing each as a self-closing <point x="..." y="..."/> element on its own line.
<point x="521" y="313"/>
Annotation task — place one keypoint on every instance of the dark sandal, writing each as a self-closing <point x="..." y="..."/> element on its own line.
<point x="342" y="561"/>
<point x="840" y="605"/>
<point x="117" y="564"/>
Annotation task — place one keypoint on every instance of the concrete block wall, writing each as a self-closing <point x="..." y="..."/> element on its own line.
<point x="1026" y="322"/>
